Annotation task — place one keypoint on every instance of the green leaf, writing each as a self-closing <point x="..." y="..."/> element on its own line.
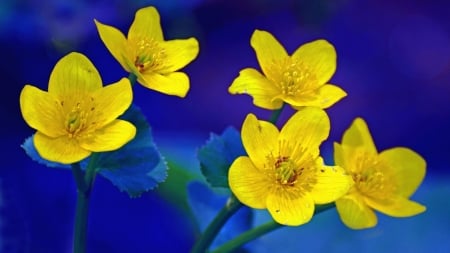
<point x="217" y="155"/>
<point x="137" y="167"/>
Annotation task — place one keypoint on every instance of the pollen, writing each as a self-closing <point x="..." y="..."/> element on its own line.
<point x="371" y="177"/>
<point x="80" y="117"/>
<point x="147" y="53"/>
<point x="286" y="171"/>
<point x="292" y="77"/>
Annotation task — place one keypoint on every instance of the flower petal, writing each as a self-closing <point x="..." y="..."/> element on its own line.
<point x="41" y="111"/>
<point x="326" y="96"/>
<point x="110" y="137"/>
<point x="259" y="139"/>
<point x="179" y="53"/>
<point x="320" y="58"/>
<point x="253" y="83"/>
<point x="73" y="76"/>
<point x="358" y="135"/>
<point x="406" y="167"/>
<point x="332" y="183"/>
<point x="268" y="50"/>
<point x="396" y="207"/>
<point x="248" y="183"/>
<point x="146" y="24"/>
<point x="290" y="209"/>
<point x="114" y="41"/>
<point x="306" y="130"/>
<point x="340" y="157"/>
<point x="355" y="213"/>
<point x="112" y="101"/>
<point x="176" y="83"/>
<point x="62" y="149"/>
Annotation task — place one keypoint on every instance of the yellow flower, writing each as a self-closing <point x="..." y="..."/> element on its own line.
<point x="299" y="80"/>
<point x="383" y="181"/>
<point x="283" y="171"/>
<point x="147" y="55"/>
<point x="77" y="116"/>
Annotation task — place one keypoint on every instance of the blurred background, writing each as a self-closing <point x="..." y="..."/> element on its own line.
<point x="393" y="61"/>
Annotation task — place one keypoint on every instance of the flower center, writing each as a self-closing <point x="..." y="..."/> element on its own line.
<point x="148" y="55"/>
<point x="286" y="171"/>
<point x="371" y="179"/>
<point x="79" y="117"/>
<point x="293" y="77"/>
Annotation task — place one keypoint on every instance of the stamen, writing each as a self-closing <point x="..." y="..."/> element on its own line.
<point x="81" y="117"/>
<point x="286" y="172"/>
<point x="292" y="77"/>
<point x="149" y="56"/>
<point x="370" y="177"/>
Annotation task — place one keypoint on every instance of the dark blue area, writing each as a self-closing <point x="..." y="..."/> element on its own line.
<point x="393" y="61"/>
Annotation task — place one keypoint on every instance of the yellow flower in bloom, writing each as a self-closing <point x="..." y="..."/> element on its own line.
<point x="299" y="80"/>
<point x="147" y="55"/>
<point x="383" y="181"/>
<point x="77" y="116"/>
<point x="283" y="171"/>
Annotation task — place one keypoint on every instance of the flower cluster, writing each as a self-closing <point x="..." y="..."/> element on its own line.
<point x="77" y="116"/>
<point x="284" y="172"/>
<point x="96" y="129"/>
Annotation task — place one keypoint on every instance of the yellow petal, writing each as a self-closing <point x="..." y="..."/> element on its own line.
<point x="111" y="137"/>
<point x="74" y="76"/>
<point x="146" y="24"/>
<point x="305" y="131"/>
<point x="114" y="41"/>
<point x="253" y="83"/>
<point x="396" y="207"/>
<point x="176" y="83"/>
<point x="332" y="183"/>
<point x="358" y="135"/>
<point x="41" y="111"/>
<point x="320" y="58"/>
<point x="62" y="149"/>
<point x="268" y="50"/>
<point x="326" y="96"/>
<point x="249" y="184"/>
<point x="179" y="53"/>
<point x="290" y="209"/>
<point x="113" y="100"/>
<point x="406" y="167"/>
<point x="259" y="139"/>
<point x="355" y="213"/>
<point x="340" y="156"/>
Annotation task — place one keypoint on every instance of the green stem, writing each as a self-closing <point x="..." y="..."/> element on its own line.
<point x="227" y="211"/>
<point x="84" y="186"/>
<point x="78" y="175"/>
<point x="259" y="231"/>
<point x="215" y="226"/>
<point x="91" y="171"/>
<point x="247" y="236"/>
<point x="276" y="114"/>
<point x="81" y="216"/>
<point x="132" y="77"/>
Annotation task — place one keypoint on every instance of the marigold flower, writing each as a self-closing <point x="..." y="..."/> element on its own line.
<point x="147" y="55"/>
<point x="77" y="116"/>
<point x="283" y="171"/>
<point x="383" y="181"/>
<point x="299" y="80"/>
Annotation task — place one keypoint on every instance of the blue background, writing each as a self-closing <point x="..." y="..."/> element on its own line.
<point x="393" y="61"/>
